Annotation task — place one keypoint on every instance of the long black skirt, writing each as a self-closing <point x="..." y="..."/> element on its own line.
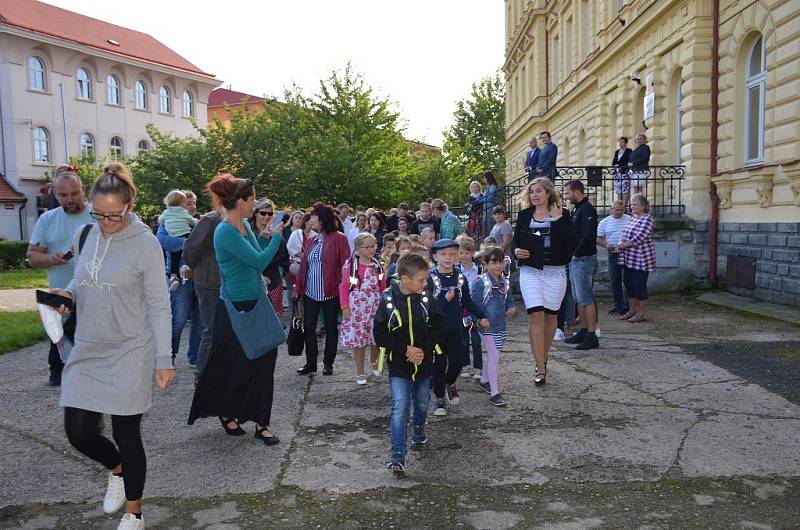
<point x="231" y="385"/>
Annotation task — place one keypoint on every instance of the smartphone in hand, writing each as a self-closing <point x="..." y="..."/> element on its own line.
<point x="53" y="300"/>
<point x="68" y="256"/>
<point x="277" y="218"/>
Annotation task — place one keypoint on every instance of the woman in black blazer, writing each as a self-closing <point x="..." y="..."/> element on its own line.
<point x="622" y="182"/>
<point x="639" y="163"/>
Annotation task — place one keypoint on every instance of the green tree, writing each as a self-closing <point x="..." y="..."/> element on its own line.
<point x="474" y="142"/>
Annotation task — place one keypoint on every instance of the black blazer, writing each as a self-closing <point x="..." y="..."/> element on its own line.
<point x="640" y="157"/>
<point x="621" y="161"/>
<point x="562" y="240"/>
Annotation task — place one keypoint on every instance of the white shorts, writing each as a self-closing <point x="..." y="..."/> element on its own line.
<point x="543" y="290"/>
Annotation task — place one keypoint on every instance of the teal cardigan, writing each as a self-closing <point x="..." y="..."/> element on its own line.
<point x="242" y="258"/>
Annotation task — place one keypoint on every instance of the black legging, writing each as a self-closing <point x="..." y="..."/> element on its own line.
<point x="83" y="432"/>
<point x="311" y="311"/>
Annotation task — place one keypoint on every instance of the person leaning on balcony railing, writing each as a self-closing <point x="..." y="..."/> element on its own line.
<point x="639" y="162"/>
<point x="637" y="255"/>
<point x="622" y="182"/>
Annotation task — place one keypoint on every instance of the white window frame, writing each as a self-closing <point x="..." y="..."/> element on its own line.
<point x="113" y="91"/>
<point x="80" y="84"/>
<point x="37" y="74"/>
<point x="41" y="145"/>
<point x="87" y="148"/>
<point x="678" y="119"/>
<point x="140" y="96"/>
<point x="188" y="98"/>
<point x="143" y="145"/>
<point x="757" y="81"/>
<point x="116" y="152"/>
<point x="164" y="100"/>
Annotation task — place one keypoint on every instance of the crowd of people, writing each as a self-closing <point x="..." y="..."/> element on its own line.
<point x="412" y="287"/>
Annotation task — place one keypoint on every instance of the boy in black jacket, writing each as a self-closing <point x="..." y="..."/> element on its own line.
<point x="406" y="327"/>
<point x="450" y="290"/>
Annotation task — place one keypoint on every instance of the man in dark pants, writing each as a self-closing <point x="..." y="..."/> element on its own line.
<point x="53" y="237"/>
<point x="583" y="264"/>
<point x="199" y="255"/>
<point x="532" y="159"/>
<point x="548" y="155"/>
<point x="609" y="232"/>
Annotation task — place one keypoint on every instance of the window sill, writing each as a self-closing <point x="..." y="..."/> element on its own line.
<point x="43" y="92"/>
<point x="137" y="109"/>
<point x="166" y="114"/>
<point x="84" y="100"/>
<point x="42" y="164"/>
<point x="114" y="105"/>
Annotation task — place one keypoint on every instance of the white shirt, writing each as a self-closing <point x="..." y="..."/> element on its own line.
<point x="295" y="244"/>
<point x="611" y="228"/>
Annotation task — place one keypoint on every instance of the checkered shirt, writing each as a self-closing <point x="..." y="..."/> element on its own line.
<point x="642" y="256"/>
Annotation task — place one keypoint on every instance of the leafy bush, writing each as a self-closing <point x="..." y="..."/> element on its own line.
<point x="12" y="254"/>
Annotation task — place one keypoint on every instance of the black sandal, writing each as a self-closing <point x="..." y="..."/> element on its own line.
<point x="233" y="431"/>
<point x="268" y="440"/>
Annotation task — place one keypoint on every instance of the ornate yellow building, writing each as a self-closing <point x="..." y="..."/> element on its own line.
<point x="587" y="69"/>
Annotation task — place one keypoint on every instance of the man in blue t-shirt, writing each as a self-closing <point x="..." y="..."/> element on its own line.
<point x="53" y="237"/>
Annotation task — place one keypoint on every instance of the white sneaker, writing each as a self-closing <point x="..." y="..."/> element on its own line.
<point x="115" y="494"/>
<point x="361" y="380"/>
<point x="174" y="284"/>
<point x="130" y="522"/>
<point x="441" y="408"/>
<point x="477" y="374"/>
<point x="559" y="335"/>
<point x="597" y="332"/>
<point x="376" y="373"/>
<point x="465" y="371"/>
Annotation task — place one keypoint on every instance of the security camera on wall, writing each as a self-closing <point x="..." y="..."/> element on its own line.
<point x="635" y="76"/>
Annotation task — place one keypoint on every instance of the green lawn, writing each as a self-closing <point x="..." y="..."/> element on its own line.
<point x="23" y="279"/>
<point x="20" y="329"/>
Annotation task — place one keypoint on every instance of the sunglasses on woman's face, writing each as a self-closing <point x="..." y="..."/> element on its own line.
<point x="266" y="214"/>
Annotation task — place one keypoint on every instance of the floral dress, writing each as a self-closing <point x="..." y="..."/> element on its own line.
<point x="363" y="301"/>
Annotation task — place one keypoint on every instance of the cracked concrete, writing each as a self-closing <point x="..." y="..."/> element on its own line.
<point x="639" y="430"/>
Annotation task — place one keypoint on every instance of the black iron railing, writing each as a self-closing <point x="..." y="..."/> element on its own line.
<point x="662" y="185"/>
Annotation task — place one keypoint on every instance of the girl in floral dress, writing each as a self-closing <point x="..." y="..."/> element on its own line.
<point x="363" y="281"/>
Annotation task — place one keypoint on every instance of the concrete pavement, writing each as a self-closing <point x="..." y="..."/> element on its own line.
<point x="657" y="429"/>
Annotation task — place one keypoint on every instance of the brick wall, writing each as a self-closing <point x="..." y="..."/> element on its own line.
<point x="776" y="249"/>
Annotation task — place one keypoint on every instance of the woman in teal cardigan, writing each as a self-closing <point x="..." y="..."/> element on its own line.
<point x="232" y="387"/>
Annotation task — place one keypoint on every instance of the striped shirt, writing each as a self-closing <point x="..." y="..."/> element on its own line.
<point x="642" y="256"/>
<point x="315" y="287"/>
<point x="611" y="228"/>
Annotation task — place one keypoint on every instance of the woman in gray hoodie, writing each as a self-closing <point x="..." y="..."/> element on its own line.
<point x="123" y="333"/>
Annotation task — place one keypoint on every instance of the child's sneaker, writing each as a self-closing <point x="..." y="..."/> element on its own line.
<point x="361" y="380"/>
<point x="485" y="387"/>
<point x="559" y="336"/>
<point x="441" y="408"/>
<point x="418" y="437"/>
<point x="465" y="371"/>
<point x="396" y="466"/>
<point x="497" y="400"/>
<point x="477" y="373"/>
<point x="452" y="394"/>
<point x="174" y="284"/>
<point x="376" y="373"/>
<point x="597" y="332"/>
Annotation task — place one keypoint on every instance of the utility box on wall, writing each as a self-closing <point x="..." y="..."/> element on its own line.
<point x="667" y="254"/>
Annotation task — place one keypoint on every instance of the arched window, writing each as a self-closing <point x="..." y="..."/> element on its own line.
<point x="164" y="100"/>
<point x="140" y="95"/>
<point x="84" y="84"/>
<point x="143" y="146"/>
<point x="87" y="144"/>
<point x="112" y="85"/>
<point x="188" y="104"/>
<point x="115" y="150"/>
<point x="41" y="145"/>
<point x="755" y="88"/>
<point x="36" y="77"/>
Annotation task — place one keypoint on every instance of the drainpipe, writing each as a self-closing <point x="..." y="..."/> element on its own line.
<point x="64" y="121"/>
<point x="712" y="189"/>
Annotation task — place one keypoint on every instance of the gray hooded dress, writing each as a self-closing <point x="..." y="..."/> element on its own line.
<point x="124" y="328"/>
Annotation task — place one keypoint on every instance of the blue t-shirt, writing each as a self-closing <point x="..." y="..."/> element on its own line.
<point x="55" y="230"/>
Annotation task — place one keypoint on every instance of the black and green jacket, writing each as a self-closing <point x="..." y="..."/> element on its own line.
<point x="407" y="320"/>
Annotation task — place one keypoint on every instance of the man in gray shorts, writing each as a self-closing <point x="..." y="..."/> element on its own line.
<point x="583" y="264"/>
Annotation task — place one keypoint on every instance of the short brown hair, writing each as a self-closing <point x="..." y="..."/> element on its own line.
<point x="411" y="264"/>
<point x="465" y="243"/>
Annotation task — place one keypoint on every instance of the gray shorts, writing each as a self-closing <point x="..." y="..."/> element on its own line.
<point x="581" y="276"/>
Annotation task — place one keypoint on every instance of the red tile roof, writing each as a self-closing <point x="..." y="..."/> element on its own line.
<point x="9" y="194"/>
<point x="223" y="96"/>
<point x="56" y="22"/>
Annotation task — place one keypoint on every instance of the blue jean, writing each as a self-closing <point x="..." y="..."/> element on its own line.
<point x="581" y="274"/>
<point x="406" y="393"/>
<point x="184" y="304"/>
<point x="615" y="275"/>
<point x="472" y="338"/>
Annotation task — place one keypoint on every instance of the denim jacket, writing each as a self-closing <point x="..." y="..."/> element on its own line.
<point x="495" y="303"/>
